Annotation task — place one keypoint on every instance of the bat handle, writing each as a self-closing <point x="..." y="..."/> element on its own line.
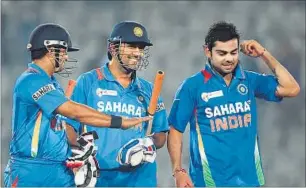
<point x="149" y="128"/>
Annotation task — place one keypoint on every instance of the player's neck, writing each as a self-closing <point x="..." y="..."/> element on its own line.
<point x="228" y="78"/>
<point x="45" y="65"/>
<point x="120" y="75"/>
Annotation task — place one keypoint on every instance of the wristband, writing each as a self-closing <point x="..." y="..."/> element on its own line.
<point x="179" y="170"/>
<point x="116" y="122"/>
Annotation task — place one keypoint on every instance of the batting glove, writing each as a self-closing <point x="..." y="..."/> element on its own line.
<point x="137" y="151"/>
<point x="81" y="153"/>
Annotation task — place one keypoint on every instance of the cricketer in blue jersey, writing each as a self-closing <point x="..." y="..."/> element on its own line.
<point x="39" y="146"/>
<point x="126" y="157"/>
<point x="219" y="104"/>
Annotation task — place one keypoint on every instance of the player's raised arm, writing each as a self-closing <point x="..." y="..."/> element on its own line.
<point x="87" y="115"/>
<point x="288" y="86"/>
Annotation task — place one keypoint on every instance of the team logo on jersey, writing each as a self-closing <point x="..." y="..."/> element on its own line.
<point x="140" y="98"/>
<point x="138" y="32"/>
<point x="100" y="92"/>
<point x="206" y="96"/>
<point x="242" y="89"/>
<point x="42" y="91"/>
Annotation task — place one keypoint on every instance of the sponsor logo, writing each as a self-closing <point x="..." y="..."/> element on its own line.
<point x="160" y="106"/>
<point x="228" y="109"/>
<point x="100" y="92"/>
<point x="128" y="109"/>
<point x="206" y="96"/>
<point x="42" y="91"/>
<point x="229" y="116"/>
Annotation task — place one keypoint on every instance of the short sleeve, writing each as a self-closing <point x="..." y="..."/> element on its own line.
<point x="160" y="123"/>
<point x="182" y="107"/>
<point x="264" y="86"/>
<point x="41" y="91"/>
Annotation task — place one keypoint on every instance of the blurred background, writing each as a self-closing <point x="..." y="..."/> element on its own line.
<point x="177" y="30"/>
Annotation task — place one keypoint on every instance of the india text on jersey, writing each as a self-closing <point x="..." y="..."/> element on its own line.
<point x="235" y="116"/>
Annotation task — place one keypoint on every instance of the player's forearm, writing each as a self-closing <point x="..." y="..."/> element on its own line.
<point x="84" y="114"/>
<point x="89" y="116"/>
<point x="72" y="135"/>
<point x="288" y="87"/>
<point x="174" y="144"/>
<point x="159" y="140"/>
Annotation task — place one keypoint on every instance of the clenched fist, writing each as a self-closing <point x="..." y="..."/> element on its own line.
<point x="252" y="48"/>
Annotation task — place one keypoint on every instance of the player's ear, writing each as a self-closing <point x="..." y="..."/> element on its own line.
<point x="207" y="51"/>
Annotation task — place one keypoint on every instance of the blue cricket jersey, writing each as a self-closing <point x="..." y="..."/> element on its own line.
<point x="100" y="90"/>
<point x="223" y="125"/>
<point x="36" y="91"/>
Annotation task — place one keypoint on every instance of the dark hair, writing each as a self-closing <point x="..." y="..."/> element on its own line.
<point x="221" y="31"/>
<point x="37" y="54"/>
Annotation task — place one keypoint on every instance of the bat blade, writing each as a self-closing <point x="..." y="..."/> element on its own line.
<point x="157" y="86"/>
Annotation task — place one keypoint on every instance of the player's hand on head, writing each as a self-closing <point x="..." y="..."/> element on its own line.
<point x="131" y="122"/>
<point x="252" y="48"/>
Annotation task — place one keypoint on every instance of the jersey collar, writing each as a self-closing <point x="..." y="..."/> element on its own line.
<point x="35" y="68"/>
<point x="109" y="76"/>
<point x="107" y="73"/>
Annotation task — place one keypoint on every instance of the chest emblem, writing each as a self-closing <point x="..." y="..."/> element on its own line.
<point x="242" y="89"/>
<point x="140" y="99"/>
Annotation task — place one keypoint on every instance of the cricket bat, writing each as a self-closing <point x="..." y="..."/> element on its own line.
<point x="35" y="138"/>
<point x="158" y="82"/>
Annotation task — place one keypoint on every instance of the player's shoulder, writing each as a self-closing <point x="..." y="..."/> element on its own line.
<point x="89" y="76"/>
<point x="193" y="82"/>
<point x="249" y="74"/>
<point x="30" y="76"/>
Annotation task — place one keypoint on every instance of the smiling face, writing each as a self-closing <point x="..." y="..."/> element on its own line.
<point x="131" y="55"/>
<point x="224" y="56"/>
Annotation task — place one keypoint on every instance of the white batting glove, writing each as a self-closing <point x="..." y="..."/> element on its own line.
<point x="137" y="151"/>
